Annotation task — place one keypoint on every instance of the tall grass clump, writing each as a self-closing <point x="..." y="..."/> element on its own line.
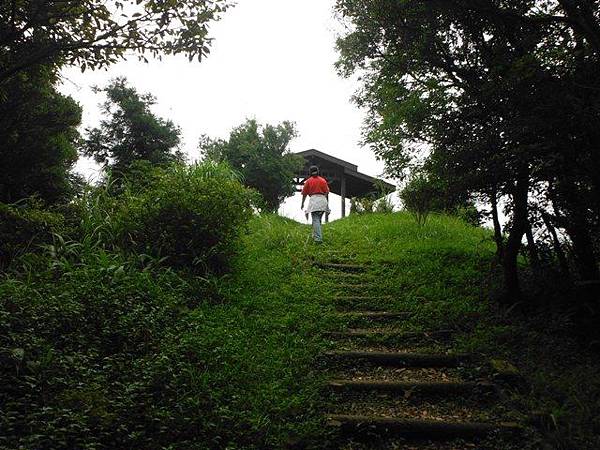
<point x="92" y="334"/>
<point x="191" y="217"/>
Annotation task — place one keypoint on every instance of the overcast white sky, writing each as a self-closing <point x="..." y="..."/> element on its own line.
<point x="271" y="60"/>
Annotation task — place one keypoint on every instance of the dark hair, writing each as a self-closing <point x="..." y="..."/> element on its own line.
<point x="313" y="170"/>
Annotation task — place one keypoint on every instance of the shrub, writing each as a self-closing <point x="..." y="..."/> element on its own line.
<point x="469" y="214"/>
<point x="426" y="193"/>
<point x="84" y="355"/>
<point x="418" y="197"/>
<point x="23" y="229"/>
<point x="192" y="217"/>
<point x="377" y="201"/>
<point x="384" y="205"/>
<point x="361" y="205"/>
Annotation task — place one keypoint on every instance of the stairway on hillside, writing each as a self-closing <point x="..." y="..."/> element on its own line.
<point x="391" y="388"/>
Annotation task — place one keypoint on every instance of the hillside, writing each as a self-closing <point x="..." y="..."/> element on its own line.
<point x="239" y="363"/>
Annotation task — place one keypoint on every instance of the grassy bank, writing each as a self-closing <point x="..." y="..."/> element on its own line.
<point x="108" y="354"/>
<point x="444" y="273"/>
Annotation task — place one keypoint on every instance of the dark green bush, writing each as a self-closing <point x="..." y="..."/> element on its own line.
<point x="419" y="197"/>
<point x="85" y="357"/>
<point x="191" y="217"/>
<point x="425" y="194"/>
<point x="23" y="229"/>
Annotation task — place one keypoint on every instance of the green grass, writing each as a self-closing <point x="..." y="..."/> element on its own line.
<point x="282" y="303"/>
<point x="234" y="362"/>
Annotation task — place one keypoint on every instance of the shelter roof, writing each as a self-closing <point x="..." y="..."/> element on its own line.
<point x="334" y="169"/>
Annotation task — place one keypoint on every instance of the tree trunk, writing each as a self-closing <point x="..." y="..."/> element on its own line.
<point x="513" y="244"/>
<point x="584" y="250"/>
<point x="497" y="227"/>
<point x="560" y="254"/>
<point x="577" y="227"/>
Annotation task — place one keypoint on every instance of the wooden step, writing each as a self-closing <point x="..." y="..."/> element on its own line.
<point x="428" y="388"/>
<point x="400" y="359"/>
<point x="343" y="267"/>
<point x="429" y="429"/>
<point x="361" y="299"/>
<point x="391" y="334"/>
<point x="374" y="315"/>
<point x="361" y="302"/>
<point x="348" y="276"/>
<point x="353" y="287"/>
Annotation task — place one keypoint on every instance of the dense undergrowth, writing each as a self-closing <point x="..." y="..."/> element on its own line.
<point x="107" y="346"/>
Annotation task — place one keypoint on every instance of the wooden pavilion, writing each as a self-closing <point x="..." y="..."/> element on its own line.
<point x="343" y="177"/>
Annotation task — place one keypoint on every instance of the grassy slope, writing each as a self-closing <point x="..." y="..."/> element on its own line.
<point x="263" y="340"/>
<point x="440" y="271"/>
<point x="267" y="332"/>
<point x="243" y="371"/>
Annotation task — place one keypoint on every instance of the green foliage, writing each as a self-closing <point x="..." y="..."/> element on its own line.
<point x="361" y="205"/>
<point x="469" y="214"/>
<point x="475" y="83"/>
<point x="85" y="352"/>
<point x="419" y="197"/>
<point x="378" y="201"/>
<point x="102" y="349"/>
<point x="384" y="205"/>
<point x="131" y="132"/>
<point x="365" y="205"/>
<point x="261" y="155"/>
<point x="105" y="350"/>
<point x="23" y="229"/>
<point x="38" y="136"/>
<point x="190" y="216"/>
<point x="425" y="194"/>
<point x="94" y="34"/>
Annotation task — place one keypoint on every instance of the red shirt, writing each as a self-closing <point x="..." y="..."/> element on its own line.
<point x="315" y="185"/>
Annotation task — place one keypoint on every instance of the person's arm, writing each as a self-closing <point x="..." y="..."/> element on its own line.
<point x="304" y="193"/>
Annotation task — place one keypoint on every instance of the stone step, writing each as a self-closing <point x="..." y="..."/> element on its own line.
<point x="400" y="359"/>
<point x="343" y="267"/>
<point x="389" y="334"/>
<point x="400" y="374"/>
<point x="429" y="429"/>
<point x="427" y="388"/>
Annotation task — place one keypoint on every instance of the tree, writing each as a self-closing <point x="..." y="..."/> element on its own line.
<point x="38" y="138"/>
<point x="97" y="33"/>
<point x="503" y="96"/>
<point x="261" y="155"/>
<point x="131" y="132"/>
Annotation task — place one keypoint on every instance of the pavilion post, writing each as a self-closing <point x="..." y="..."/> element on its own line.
<point x="343" y="192"/>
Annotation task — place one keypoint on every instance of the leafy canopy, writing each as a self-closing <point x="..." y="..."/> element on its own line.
<point x="38" y="138"/>
<point x="131" y="132"/>
<point x="495" y="98"/>
<point x="261" y="155"/>
<point x="96" y="33"/>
